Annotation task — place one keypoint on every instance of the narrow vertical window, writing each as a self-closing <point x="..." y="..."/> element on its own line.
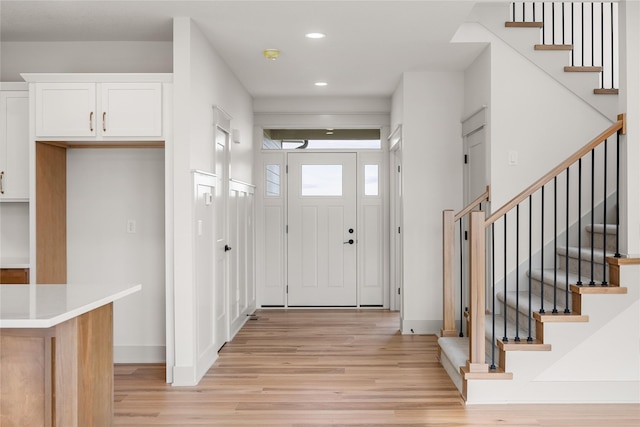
<point x="272" y="180"/>
<point x="371" y="180"/>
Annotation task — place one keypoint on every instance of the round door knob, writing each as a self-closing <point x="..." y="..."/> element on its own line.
<point x="227" y="248"/>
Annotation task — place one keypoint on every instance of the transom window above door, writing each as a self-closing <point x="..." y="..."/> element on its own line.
<point x="321" y="139"/>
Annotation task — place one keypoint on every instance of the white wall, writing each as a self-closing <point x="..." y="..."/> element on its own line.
<point x="630" y="104"/>
<point x="432" y="104"/>
<point x="477" y="83"/>
<point x="83" y="57"/>
<point x="105" y="189"/>
<point x="14" y="230"/>
<point x="535" y="116"/>
<point x="201" y="80"/>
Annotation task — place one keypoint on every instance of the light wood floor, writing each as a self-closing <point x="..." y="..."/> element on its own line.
<point x="330" y="367"/>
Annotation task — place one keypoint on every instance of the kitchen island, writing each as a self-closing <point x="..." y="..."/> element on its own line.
<point x="56" y="354"/>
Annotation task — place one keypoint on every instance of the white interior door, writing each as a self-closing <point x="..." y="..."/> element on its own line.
<point x="475" y="172"/>
<point x="396" y="241"/>
<point x="221" y="198"/>
<point x="322" y="238"/>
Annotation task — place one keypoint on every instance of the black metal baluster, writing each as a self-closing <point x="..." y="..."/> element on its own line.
<point x="563" y="7"/>
<point x="493" y="298"/>
<point x="530" y="311"/>
<point x="579" y="282"/>
<point x="513" y="7"/>
<point x="534" y="11"/>
<point x="555" y="245"/>
<point x="542" y="252"/>
<point x="604" y="211"/>
<point x="582" y="33"/>
<point x="593" y="209"/>
<point x="505" y="338"/>
<point x="461" y="282"/>
<point x="517" y="339"/>
<point x="524" y="13"/>
<point x="617" y="254"/>
<point x="602" y="44"/>
<point x="566" y="259"/>
<point x="553" y="23"/>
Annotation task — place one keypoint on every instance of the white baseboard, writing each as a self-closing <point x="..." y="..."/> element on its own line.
<point x="420" y="327"/>
<point x="139" y="354"/>
<point x="184" y="376"/>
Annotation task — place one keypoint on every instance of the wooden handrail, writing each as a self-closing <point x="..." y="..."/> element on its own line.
<point x="481" y="198"/>
<point x="617" y="126"/>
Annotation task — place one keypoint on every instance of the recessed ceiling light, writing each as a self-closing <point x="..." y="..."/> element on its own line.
<point x="321" y="83"/>
<point x="315" y="35"/>
<point x="329" y="132"/>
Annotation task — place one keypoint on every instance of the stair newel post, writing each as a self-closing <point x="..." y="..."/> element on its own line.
<point x="477" y="257"/>
<point x="448" y="302"/>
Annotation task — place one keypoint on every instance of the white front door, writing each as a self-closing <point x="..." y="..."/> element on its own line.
<point x="322" y="236"/>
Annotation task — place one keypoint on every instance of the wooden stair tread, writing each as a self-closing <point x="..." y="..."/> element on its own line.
<point x="602" y="91"/>
<point x="511" y="24"/>
<point x="597" y="290"/>
<point x="524" y="345"/>
<point x="553" y="47"/>
<point x="573" y="69"/>
<point x="497" y="374"/>
<point x="560" y="317"/>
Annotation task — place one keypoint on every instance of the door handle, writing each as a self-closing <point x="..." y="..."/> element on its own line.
<point x="2" y="182"/>
<point x="350" y="242"/>
<point x="227" y="248"/>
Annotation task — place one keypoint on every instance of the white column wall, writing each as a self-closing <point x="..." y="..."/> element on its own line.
<point x="201" y="80"/>
<point x="630" y="104"/>
<point x="430" y="112"/>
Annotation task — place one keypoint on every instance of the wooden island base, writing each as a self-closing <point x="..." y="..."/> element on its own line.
<point x="60" y="376"/>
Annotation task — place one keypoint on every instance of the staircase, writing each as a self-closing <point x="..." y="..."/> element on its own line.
<point x="592" y="76"/>
<point x="542" y="321"/>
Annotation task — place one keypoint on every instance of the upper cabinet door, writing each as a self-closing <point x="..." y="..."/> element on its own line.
<point x="66" y="109"/>
<point x="131" y="109"/>
<point x="14" y="145"/>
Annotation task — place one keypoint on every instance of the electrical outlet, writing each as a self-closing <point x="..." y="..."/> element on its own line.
<point x="131" y="226"/>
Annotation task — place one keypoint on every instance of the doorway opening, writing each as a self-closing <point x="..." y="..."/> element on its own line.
<point x="323" y="219"/>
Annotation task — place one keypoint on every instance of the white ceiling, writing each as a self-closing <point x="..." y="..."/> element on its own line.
<point x="368" y="44"/>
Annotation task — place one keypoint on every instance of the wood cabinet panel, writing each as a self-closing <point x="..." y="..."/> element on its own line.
<point x="14" y="276"/>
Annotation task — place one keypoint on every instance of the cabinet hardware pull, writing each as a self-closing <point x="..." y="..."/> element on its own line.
<point x="104" y="121"/>
<point x="2" y="182"/>
<point x="91" y="121"/>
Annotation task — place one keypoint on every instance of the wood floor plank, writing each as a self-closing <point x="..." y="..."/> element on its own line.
<point x="305" y="368"/>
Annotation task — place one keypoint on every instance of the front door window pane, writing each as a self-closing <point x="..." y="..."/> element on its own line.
<point x="322" y="180"/>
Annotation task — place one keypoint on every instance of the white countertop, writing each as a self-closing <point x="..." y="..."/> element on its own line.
<point x="14" y="262"/>
<point x="44" y="306"/>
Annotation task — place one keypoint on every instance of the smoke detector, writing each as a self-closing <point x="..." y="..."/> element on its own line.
<point x="271" y="54"/>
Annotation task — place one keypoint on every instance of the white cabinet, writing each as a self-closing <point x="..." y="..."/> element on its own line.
<point x="14" y="145"/>
<point x="131" y="109"/>
<point x="99" y="110"/>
